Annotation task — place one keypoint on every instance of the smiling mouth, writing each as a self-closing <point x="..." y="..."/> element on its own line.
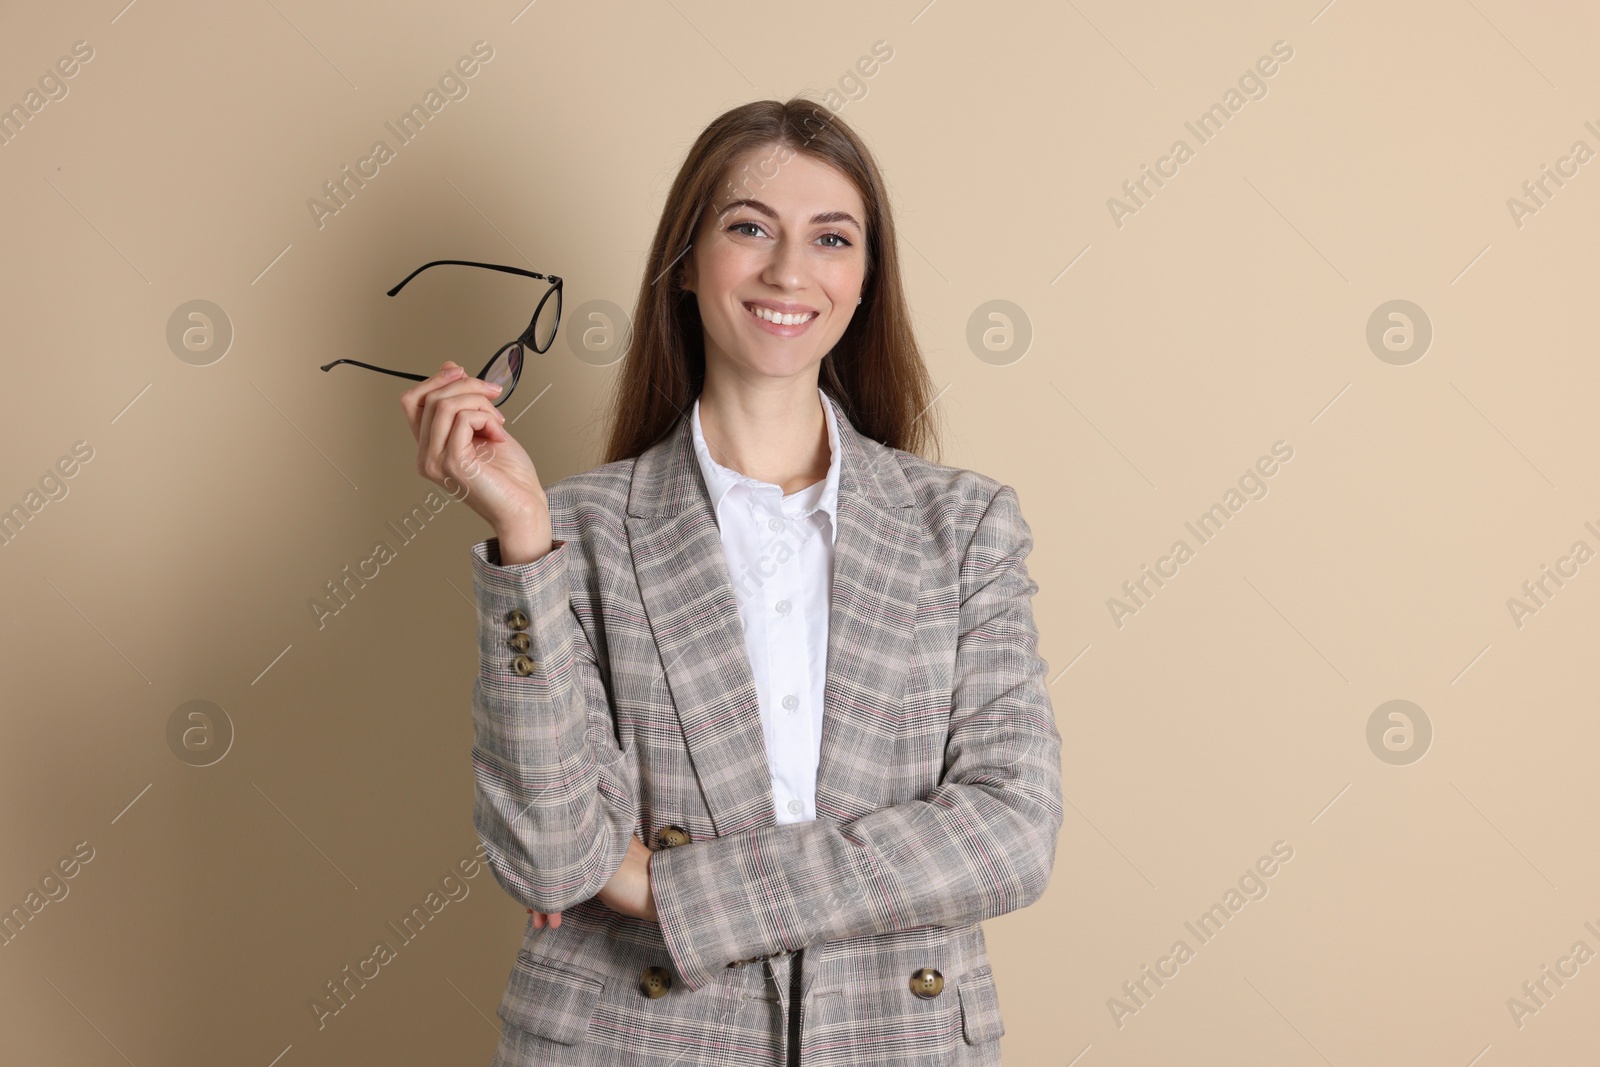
<point x="766" y="314"/>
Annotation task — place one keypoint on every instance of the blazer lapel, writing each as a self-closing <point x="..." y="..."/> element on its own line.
<point x="877" y="574"/>
<point x="694" y="616"/>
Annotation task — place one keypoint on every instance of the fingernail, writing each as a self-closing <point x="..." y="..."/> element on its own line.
<point x="494" y="387"/>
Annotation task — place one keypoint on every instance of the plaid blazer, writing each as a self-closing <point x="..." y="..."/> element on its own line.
<point x="614" y="699"/>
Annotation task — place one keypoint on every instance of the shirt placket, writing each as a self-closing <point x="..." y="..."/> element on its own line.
<point x="788" y="659"/>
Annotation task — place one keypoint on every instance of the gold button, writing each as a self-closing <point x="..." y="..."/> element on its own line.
<point x="522" y="665"/>
<point x="517" y="619"/>
<point x="519" y="641"/>
<point x="655" y="981"/>
<point x="927" y="983"/>
<point x="672" y="836"/>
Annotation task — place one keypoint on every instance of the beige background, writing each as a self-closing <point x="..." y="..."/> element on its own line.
<point x="1167" y="354"/>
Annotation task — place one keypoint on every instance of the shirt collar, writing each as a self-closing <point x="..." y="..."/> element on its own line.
<point x="720" y="479"/>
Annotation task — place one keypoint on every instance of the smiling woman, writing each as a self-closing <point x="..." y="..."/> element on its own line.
<point x="843" y="266"/>
<point x="748" y="262"/>
<point x="760" y="821"/>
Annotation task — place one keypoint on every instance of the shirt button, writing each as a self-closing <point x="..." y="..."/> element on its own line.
<point x="796" y="807"/>
<point x="791" y="702"/>
<point x="782" y="606"/>
<point x="775" y="524"/>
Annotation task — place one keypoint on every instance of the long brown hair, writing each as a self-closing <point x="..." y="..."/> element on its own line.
<point x="875" y="373"/>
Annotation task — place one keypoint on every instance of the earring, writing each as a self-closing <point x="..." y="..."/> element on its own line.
<point x="858" y="299"/>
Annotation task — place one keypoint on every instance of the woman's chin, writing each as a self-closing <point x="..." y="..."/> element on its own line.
<point x="776" y="361"/>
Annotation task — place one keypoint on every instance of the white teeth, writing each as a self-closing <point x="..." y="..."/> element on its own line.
<point x="782" y="320"/>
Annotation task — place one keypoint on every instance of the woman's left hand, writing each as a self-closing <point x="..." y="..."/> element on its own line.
<point x="627" y="892"/>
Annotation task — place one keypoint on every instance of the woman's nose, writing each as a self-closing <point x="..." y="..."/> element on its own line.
<point x="786" y="268"/>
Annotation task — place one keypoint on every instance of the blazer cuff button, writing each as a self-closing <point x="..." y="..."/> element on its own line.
<point x="517" y="619"/>
<point x="522" y="665"/>
<point x="519" y="641"/>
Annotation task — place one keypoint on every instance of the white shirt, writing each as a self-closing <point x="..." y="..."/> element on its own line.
<point x="780" y="557"/>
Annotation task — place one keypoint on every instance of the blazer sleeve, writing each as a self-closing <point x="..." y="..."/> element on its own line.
<point x="554" y="802"/>
<point x="980" y="844"/>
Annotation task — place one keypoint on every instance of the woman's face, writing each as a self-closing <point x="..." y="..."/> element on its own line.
<point x="793" y="242"/>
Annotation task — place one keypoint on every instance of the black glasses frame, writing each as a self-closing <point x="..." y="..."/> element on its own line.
<point x="524" y="339"/>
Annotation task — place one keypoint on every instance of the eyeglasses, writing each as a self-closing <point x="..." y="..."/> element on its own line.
<point x="505" y="366"/>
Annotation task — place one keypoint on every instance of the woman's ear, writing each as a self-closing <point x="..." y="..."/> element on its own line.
<point x="685" y="275"/>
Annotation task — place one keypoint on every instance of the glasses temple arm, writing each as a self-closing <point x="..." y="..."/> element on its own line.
<point x="466" y="263"/>
<point x="382" y="370"/>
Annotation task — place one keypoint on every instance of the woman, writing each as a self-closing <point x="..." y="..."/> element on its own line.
<point x="761" y="728"/>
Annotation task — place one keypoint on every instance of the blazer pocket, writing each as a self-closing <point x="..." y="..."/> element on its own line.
<point x="980" y="1006"/>
<point x="554" y="1001"/>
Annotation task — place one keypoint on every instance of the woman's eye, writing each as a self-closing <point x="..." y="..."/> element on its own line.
<point x="841" y="241"/>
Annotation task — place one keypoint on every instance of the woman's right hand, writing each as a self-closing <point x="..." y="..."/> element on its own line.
<point x="461" y="439"/>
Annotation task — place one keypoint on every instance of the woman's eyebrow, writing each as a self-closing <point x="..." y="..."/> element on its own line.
<point x="822" y="218"/>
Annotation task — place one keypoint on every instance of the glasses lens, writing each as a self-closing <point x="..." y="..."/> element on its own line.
<point x="505" y="370"/>
<point x="544" y="327"/>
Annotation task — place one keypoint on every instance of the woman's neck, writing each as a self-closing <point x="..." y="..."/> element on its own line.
<point x="777" y="435"/>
